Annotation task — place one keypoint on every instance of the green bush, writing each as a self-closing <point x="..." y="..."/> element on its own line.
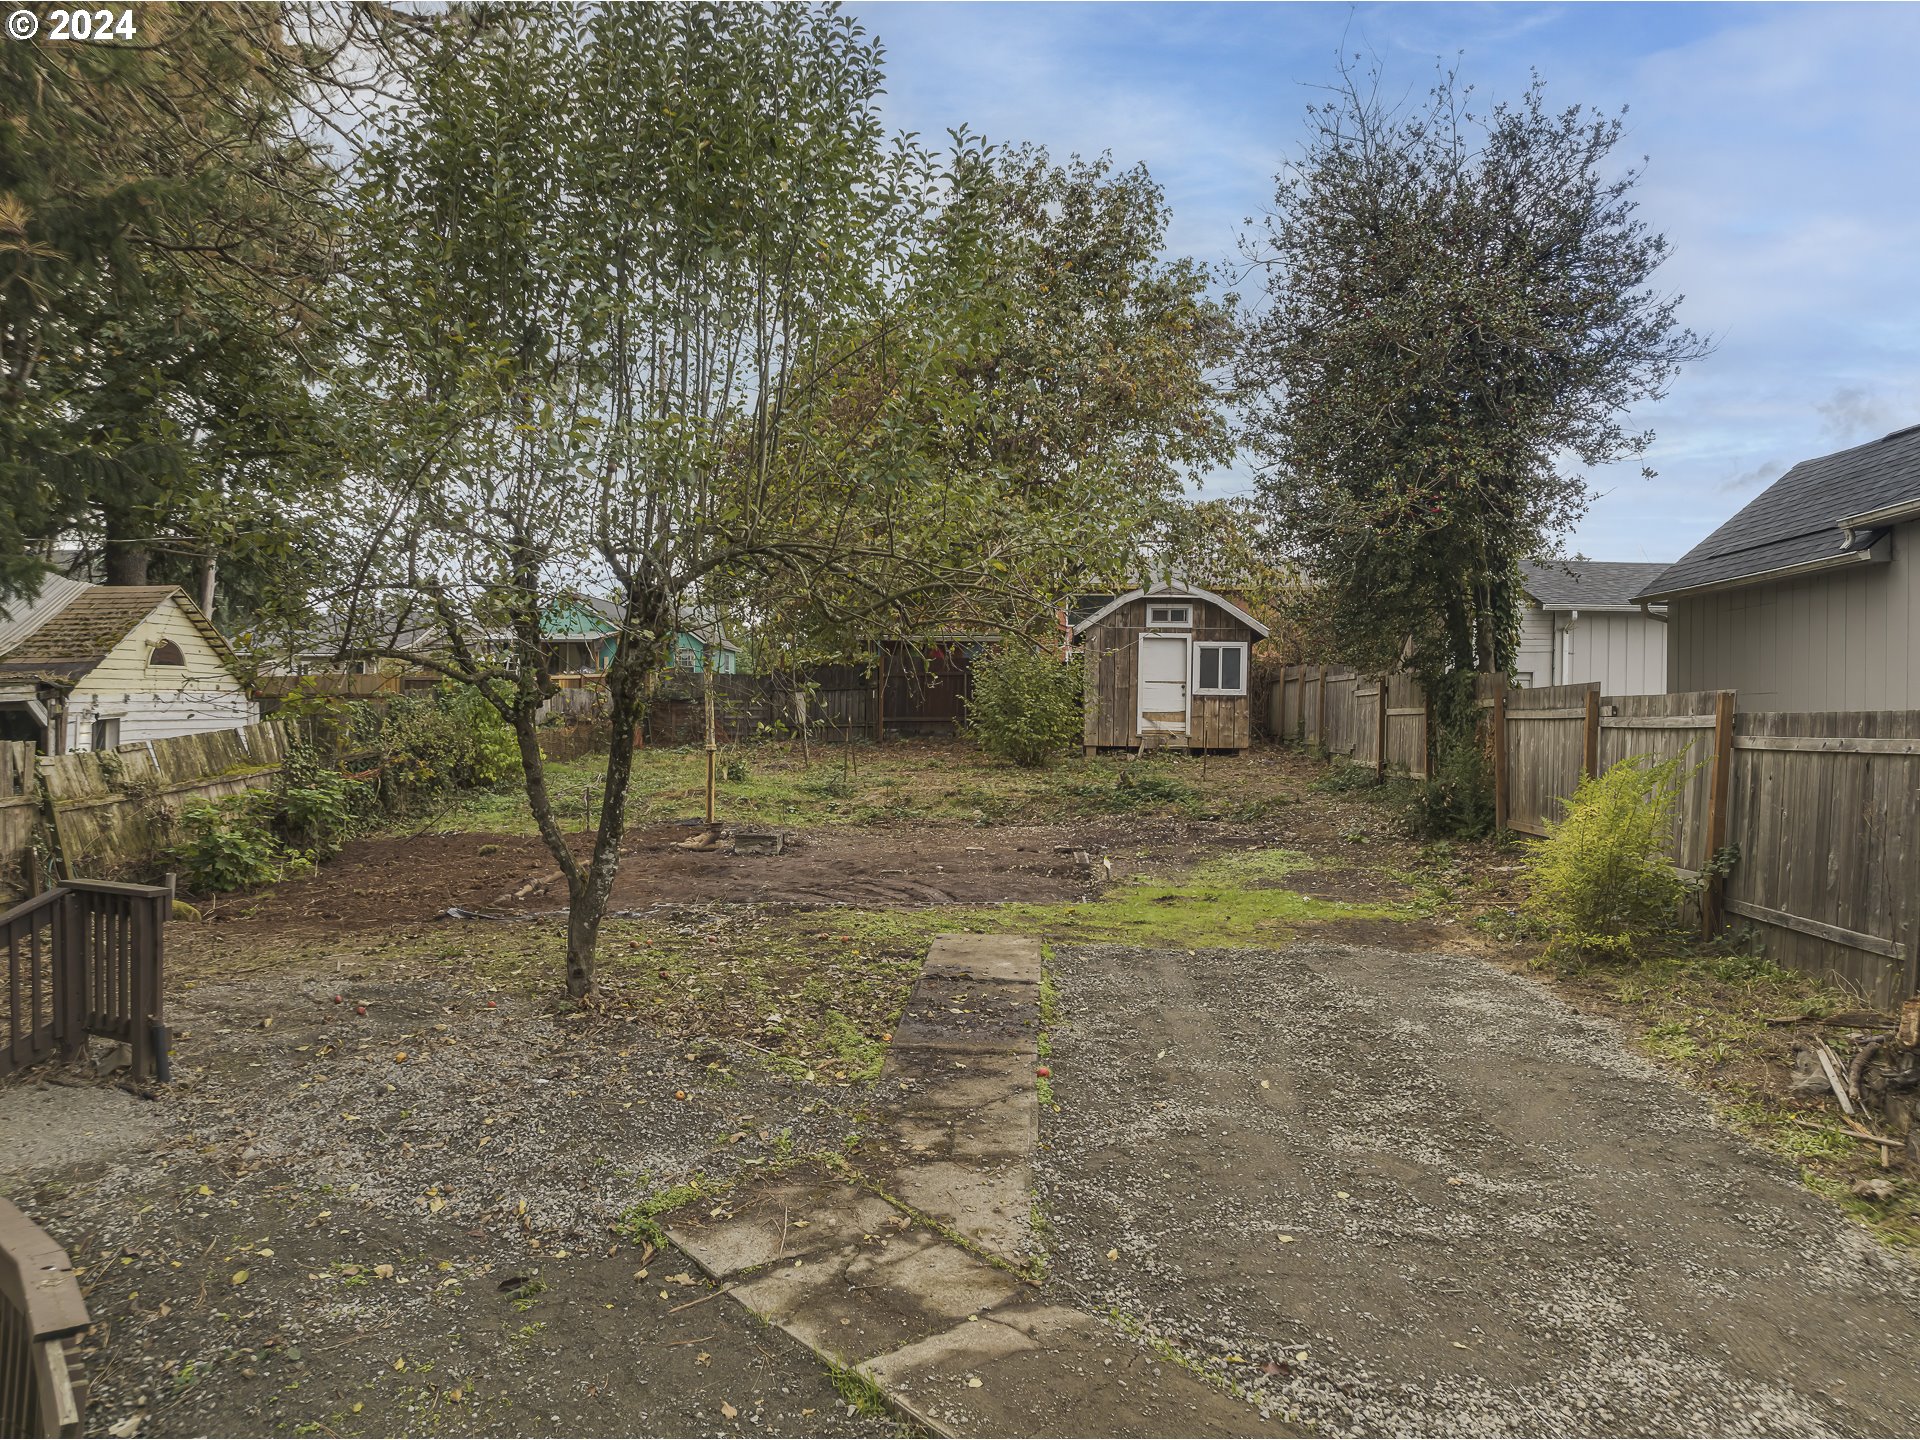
<point x="227" y="845"/>
<point x="1027" y="706"/>
<point x="449" y="738"/>
<point x="315" y="807"/>
<point x="1601" y="881"/>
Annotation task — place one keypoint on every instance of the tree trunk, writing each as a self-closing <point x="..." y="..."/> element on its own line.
<point x="126" y="562"/>
<point x="583" y="942"/>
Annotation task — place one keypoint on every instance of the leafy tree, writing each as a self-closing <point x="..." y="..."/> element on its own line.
<point x="649" y="306"/>
<point x="1459" y="304"/>
<point x="165" y="240"/>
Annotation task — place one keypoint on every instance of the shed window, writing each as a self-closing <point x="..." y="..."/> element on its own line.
<point x="1181" y="615"/>
<point x="166" y="653"/>
<point x="1219" y="669"/>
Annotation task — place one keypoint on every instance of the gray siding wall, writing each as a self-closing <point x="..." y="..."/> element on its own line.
<point x="1836" y="640"/>
<point x="1534" y="659"/>
<point x="1627" y="654"/>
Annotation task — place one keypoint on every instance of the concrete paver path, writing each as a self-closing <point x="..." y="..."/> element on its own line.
<point x="940" y="1316"/>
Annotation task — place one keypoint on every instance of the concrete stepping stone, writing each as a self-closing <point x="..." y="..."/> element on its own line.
<point x="784" y="1220"/>
<point x="878" y="1295"/>
<point x="1011" y="958"/>
<point x="1051" y="1370"/>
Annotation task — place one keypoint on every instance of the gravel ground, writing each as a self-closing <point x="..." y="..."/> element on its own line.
<point x="1416" y="1194"/>
<point x="402" y="1221"/>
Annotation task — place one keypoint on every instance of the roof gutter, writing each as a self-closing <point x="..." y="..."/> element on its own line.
<point x="1875" y="519"/>
<point x="1878" y="553"/>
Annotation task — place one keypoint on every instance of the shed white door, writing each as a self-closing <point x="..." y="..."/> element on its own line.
<point x="1163" y="684"/>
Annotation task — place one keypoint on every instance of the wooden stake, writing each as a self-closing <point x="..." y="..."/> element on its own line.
<point x="1380" y="731"/>
<point x="711" y="749"/>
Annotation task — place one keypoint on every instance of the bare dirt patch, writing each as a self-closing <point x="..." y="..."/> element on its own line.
<point x="382" y="881"/>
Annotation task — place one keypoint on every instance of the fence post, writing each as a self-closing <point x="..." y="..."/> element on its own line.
<point x="1380" y="731"/>
<point x="69" y="977"/>
<point x="1590" y="747"/>
<point x="1320" y="716"/>
<point x="1713" y="896"/>
<point x="1426" y="734"/>
<point x="1499" y="753"/>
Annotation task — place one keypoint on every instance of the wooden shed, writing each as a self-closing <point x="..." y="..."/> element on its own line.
<point x="1167" y="665"/>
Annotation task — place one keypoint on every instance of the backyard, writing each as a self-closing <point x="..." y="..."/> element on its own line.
<point x="1313" y="1121"/>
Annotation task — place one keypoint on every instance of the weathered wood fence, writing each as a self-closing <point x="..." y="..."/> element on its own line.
<point x="1818" y="813"/>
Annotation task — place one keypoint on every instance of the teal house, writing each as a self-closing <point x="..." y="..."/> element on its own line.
<point x="579" y="635"/>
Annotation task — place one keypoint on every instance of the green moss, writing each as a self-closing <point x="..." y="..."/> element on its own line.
<point x="1228" y="903"/>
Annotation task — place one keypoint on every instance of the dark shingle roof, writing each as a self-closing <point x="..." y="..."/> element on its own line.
<point x="1795" y="520"/>
<point x="1587" y="584"/>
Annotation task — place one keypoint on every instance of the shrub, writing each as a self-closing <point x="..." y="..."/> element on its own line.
<point x="315" y="807"/>
<point x="227" y="845"/>
<point x="1601" y="880"/>
<point x="1456" y="800"/>
<point x="447" y="739"/>
<point x="1027" y="706"/>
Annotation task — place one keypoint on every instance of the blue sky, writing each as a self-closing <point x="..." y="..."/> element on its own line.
<point x="1785" y="167"/>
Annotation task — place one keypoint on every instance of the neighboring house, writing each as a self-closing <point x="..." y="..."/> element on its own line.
<point x="1167" y="665"/>
<point x="89" y="667"/>
<point x="580" y="635"/>
<point x="1581" y="624"/>
<point x="1808" y="598"/>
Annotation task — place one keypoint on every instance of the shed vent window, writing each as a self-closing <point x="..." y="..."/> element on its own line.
<point x="1170" y="615"/>
<point x="1220" y="669"/>
<point x="166" y="653"/>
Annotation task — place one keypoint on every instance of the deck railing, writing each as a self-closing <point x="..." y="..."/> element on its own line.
<point x="40" y="1310"/>
<point x="86" y="958"/>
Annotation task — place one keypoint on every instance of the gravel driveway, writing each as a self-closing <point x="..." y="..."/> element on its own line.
<point x="1470" y="1209"/>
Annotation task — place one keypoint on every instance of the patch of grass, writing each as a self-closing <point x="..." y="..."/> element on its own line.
<point x="1222" y="904"/>
<point x="1043" y="1089"/>
<point x="858" y="1391"/>
<point x="1343" y="777"/>
<point x="640" y="1222"/>
<point x="896" y="782"/>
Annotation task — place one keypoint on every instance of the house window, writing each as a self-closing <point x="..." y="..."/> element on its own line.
<point x="687" y="658"/>
<point x="1180" y="615"/>
<point x="1219" y="669"/>
<point x="166" y="653"/>
<point x="106" y="733"/>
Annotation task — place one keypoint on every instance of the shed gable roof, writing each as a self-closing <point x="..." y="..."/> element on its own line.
<point x="83" y="631"/>
<point x="1799" y="519"/>
<point x="1587" y="584"/>
<point x="1171" y="590"/>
